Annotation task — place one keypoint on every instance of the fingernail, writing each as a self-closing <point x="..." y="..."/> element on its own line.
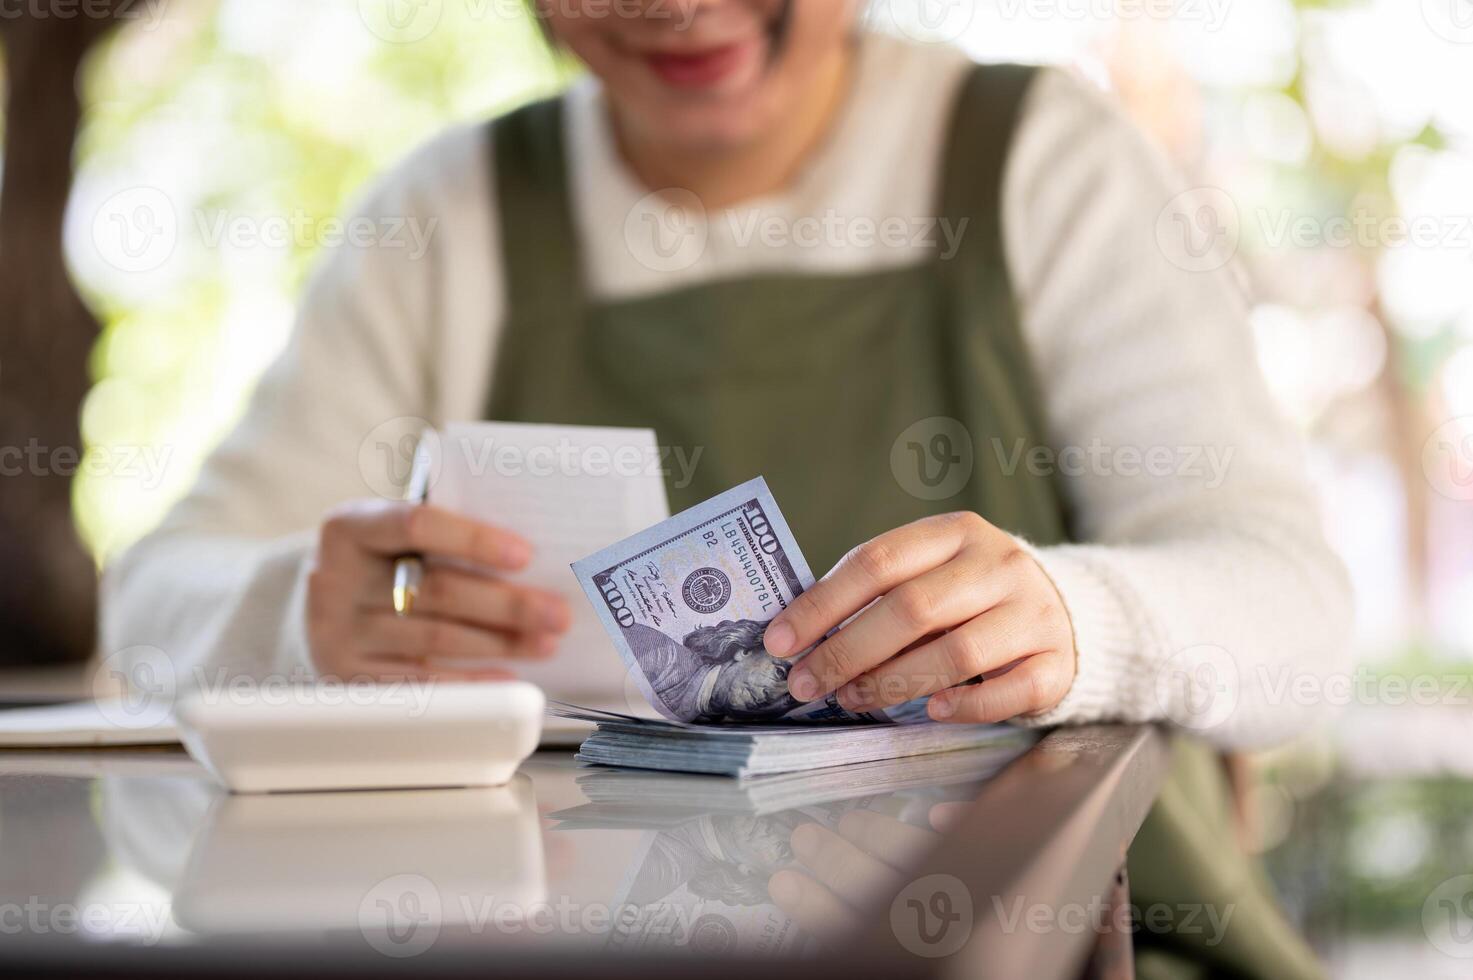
<point x="804" y="840"/>
<point x="779" y="639"/>
<point x="782" y="889"/>
<point x="553" y="615"/>
<point x="516" y="553"/>
<point x="801" y="684"/>
<point x="850" y="697"/>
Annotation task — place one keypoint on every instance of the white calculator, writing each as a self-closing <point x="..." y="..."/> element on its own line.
<point x="325" y="736"/>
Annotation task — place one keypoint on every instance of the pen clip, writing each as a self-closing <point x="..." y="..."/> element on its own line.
<point x="421" y="467"/>
<point x="408" y="569"/>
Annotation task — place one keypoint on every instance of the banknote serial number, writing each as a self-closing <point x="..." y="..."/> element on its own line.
<point x="757" y="527"/>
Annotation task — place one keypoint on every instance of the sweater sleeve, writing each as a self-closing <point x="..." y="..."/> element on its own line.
<point x="1206" y="594"/>
<point x="220" y="586"/>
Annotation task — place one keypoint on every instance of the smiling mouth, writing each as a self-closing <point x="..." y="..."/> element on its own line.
<point x="700" y="69"/>
<point x="709" y="66"/>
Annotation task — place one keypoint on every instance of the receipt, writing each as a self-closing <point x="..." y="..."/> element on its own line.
<point x="570" y="490"/>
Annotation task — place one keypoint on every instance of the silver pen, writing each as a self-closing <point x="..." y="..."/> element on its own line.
<point x="409" y="569"/>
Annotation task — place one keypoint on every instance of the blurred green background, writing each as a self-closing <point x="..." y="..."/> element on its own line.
<point x="276" y="113"/>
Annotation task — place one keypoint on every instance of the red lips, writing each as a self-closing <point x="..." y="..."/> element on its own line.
<point x="698" y="69"/>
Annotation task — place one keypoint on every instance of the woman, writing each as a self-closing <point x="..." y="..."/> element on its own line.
<point x="987" y="291"/>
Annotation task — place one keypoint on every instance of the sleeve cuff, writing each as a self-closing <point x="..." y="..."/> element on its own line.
<point x="1107" y="641"/>
<point x="294" y="652"/>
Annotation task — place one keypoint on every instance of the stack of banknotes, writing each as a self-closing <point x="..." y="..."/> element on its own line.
<point x="686" y="603"/>
<point x="640" y="796"/>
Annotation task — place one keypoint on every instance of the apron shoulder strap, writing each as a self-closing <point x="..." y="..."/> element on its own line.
<point x="993" y="374"/>
<point x="538" y="241"/>
<point x="986" y="113"/>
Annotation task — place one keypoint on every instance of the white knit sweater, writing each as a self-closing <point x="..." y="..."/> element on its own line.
<point x="1203" y="548"/>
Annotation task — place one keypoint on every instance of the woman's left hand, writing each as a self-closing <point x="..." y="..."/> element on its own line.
<point x="950" y="598"/>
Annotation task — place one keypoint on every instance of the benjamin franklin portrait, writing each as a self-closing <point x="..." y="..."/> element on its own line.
<point x="716" y="673"/>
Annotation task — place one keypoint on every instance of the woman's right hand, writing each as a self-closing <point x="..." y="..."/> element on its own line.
<point x="466" y="625"/>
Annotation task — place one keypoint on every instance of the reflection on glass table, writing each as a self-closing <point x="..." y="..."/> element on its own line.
<point x="778" y="866"/>
<point x="564" y="857"/>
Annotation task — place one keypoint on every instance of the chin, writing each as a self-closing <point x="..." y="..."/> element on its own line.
<point x="708" y="131"/>
<point x="716" y="122"/>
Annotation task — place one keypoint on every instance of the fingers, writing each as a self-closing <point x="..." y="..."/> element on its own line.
<point x="930" y="603"/>
<point x="388" y="528"/>
<point x="1035" y="685"/>
<point x="452" y="593"/>
<point x="812" y="906"/>
<point x="452" y="644"/>
<point x="840" y="865"/>
<point x="864" y="861"/>
<point x="467" y="626"/>
<point x="868" y="571"/>
<point x="899" y="844"/>
<point x="948" y="816"/>
<point x="997" y="637"/>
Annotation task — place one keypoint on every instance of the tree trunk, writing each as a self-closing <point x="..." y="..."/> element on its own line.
<point x="48" y="582"/>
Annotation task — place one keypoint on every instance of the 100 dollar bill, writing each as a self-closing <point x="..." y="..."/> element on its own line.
<point x="687" y="601"/>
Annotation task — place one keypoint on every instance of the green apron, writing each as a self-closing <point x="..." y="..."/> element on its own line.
<point x="852" y="395"/>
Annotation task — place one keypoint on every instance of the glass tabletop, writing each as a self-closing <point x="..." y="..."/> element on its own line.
<point x="141" y="848"/>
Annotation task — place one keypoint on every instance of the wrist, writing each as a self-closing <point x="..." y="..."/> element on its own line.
<point x="1107" y="654"/>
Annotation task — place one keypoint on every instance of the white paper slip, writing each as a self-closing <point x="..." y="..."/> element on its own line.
<point x="87" y="723"/>
<point x="569" y="490"/>
<point x="83" y="724"/>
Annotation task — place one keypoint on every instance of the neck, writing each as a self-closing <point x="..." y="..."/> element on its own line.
<point x="722" y="177"/>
